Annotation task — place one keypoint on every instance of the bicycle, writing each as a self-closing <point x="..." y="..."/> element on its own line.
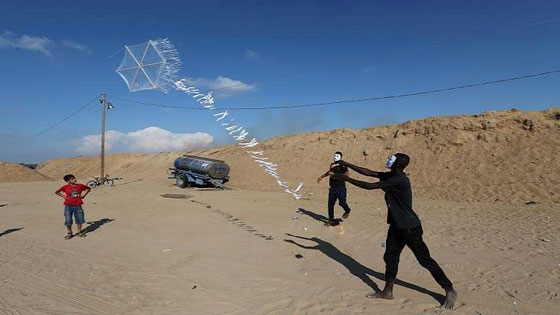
<point x="97" y="181"/>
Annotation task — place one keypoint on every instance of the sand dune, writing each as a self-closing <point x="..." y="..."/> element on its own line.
<point x="12" y="172"/>
<point x="509" y="155"/>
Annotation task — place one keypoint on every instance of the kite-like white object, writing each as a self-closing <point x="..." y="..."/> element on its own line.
<point x="150" y="65"/>
<point x="155" y="64"/>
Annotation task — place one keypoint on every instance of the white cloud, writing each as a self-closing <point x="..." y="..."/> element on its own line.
<point x="251" y="55"/>
<point x="368" y="69"/>
<point x="35" y="43"/>
<point x="39" y="44"/>
<point x="151" y="139"/>
<point x="223" y="87"/>
<point x="76" y="46"/>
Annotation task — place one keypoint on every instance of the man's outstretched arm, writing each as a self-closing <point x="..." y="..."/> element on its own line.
<point x="323" y="176"/>
<point x="361" y="170"/>
<point x="355" y="182"/>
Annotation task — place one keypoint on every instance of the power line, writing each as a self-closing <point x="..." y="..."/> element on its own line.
<point x="348" y="101"/>
<point x="296" y="105"/>
<point x="55" y="124"/>
<point x="176" y="106"/>
<point x="156" y="104"/>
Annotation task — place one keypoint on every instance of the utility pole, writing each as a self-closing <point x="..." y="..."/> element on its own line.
<point x="103" y="105"/>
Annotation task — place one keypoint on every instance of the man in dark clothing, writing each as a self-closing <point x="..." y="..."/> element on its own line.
<point x="405" y="228"/>
<point x="337" y="190"/>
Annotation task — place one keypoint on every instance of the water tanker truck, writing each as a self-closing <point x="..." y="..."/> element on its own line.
<point x="190" y="170"/>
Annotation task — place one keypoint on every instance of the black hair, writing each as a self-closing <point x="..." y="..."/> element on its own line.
<point x="338" y="152"/>
<point x="401" y="161"/>
<point x="68" y="177"/>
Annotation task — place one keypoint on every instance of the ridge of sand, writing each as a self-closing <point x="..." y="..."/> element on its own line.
<point x="13" y="172"/>
<point x="500" y="155"/>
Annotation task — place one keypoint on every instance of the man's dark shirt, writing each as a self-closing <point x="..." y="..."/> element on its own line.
<point x="398" y="196"/>
<point x="337" y="169"/>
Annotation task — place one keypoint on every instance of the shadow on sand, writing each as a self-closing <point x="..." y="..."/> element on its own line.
<point x="95" y="225"/>
<point x="10" y="231"/>
<point x="313" y="215"/>
<point x="357" y="269"/>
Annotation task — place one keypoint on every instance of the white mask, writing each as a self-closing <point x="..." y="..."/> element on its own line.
<point x="390" y="161"/>
<point x="337" y="157"/>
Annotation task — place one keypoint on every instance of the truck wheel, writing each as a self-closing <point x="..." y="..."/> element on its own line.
<point x="181" y="181"/>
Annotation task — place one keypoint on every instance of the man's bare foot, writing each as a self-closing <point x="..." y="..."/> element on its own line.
<point x="387" y="295"/>
<point x="450" y="298"/>
<point x="346" y="214"/>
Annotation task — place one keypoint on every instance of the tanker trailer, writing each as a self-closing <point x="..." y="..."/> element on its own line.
<point x="190" y="170"/>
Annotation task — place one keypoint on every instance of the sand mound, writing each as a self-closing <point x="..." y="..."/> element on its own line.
<point x="12" y="172"/>
<point x="127" y="165"/>
<point x="510" y="155"/>
<point x="507" y="155"/>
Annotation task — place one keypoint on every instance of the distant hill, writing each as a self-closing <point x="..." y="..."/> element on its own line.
<point x="14" y="172"/>
<point x="504" y="155"/>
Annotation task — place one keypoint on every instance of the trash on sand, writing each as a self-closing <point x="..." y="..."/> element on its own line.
<point x="167" y="250"/>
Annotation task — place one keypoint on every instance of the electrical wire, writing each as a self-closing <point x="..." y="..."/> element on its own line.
<point x="348" y="101"/>
<point x="53" y="125"/>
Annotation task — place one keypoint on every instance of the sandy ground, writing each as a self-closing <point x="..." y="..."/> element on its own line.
<point x="13" y="172"/>
<point x="236" y="252"/>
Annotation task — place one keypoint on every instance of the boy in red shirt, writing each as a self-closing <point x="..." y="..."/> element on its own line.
<point x="72" y="194"/>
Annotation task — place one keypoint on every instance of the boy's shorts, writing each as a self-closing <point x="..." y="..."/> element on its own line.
<point x="78" y="215"/>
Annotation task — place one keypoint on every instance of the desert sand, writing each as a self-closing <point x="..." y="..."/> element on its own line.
<point x="153" y="248"/>
<point x="12" y="172"/>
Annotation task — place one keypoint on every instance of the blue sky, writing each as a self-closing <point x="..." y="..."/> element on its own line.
<point x="55" y="56"/>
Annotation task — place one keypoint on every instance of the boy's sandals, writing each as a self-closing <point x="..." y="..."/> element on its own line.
<point x="68" y="236"/>
<point x="82" y="234"/>
<point x="331" y="223"/>
<point x="346" y="214"/>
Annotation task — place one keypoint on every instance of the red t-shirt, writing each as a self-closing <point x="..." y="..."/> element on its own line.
<point x="73" y="194"/>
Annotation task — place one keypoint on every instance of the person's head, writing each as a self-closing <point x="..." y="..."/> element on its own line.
<point x="397" y="161"/>
<point x="70" y="179"/>
<point x="337" y="156"/>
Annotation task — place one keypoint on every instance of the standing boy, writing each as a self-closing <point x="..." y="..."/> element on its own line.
<point x="72" y="194"/>
<point x="337" y="189"/>
<point x="405" y="228"/>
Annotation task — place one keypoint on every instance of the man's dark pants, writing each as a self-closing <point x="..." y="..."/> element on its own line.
<point x="337" y="193"/>
<point x="397" y="239"/>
